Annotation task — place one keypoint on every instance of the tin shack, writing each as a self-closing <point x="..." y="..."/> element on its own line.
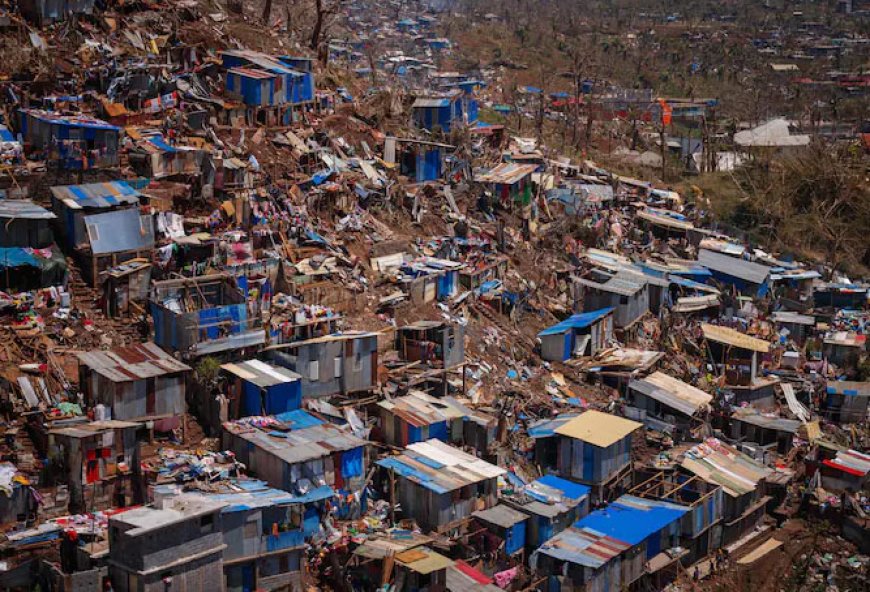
<point x="579" y="335"/>
<point x="440" y="486"/>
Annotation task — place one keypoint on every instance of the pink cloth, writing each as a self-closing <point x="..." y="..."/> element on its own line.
<point x="503" y="578"/>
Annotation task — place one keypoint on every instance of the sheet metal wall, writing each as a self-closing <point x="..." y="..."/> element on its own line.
<point x="592" y="464"/>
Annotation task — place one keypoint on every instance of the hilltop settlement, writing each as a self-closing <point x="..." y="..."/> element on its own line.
<point x="346" y="318"/>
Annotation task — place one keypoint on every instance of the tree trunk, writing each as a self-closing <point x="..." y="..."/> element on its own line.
<point x="267" y="12"/>
<point x="318" y="24"/>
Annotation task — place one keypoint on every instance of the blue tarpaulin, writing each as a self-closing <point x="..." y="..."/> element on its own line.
<point x="17" y="257"/>
<point x="352" y="463"/>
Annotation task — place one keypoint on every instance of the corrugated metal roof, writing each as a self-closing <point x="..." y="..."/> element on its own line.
<point x="729" y="336"/>
<point x="440" y="467"/>
<point x="25" y="209"/>
<point x="79" y="120"/>
<point x="733" y="266"/>
<point x="751" y="416"/>
<point x="720" y="464"/>
<point x="420" y="409"/>
<point x="501" y="515"/>
<point x="430" y="103"/>
<point x="583" y="546"/>
<point x="577" y="321"/>
<point x="461" y="577"/>
<point x="96" y="195"/>
<point x="423" y="560"/>
<point x="135" y="362"/>
<point x="118" y="231"/>
<point x="661" y="218"/>
<point x="307" y="438"/>
<point x="623" y="286"/>
<point x="672" y="392"/>
<point x="793" y="318"/>
<point x="852" y="462"/>
<point x="545" y="428"/>
<point x="257" y="494"/>
<point x="252" y="73"/>
<point x="549" y="496"/>
<point x="597" y="428"/>
<point x="507" y="173"/>
<point x="260" y="373"/>
<point x="632" y="519"/>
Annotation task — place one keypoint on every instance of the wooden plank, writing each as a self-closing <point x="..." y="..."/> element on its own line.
<point x="762" y="550"/>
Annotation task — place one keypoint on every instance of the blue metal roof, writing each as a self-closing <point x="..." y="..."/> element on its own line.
<point x="577" y="321"/>
<point x="298" y="419"/>
<point x="547" y="427"/>
<point x="569" y="489"/>
<point x="632" y="519"/>
<point x="96" y="195"/>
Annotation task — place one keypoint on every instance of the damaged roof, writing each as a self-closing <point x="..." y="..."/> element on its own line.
<point x="23" y="209"/>
<point x="260" y="373"/>
<point x="134" y="362"/>
<point x="672" y="392"/>
<point x="506" y="173"/>
<point x="729" y="336"/>
<point x="719" y="464"/>
<point x="96" y="195"/>
<point x="440" y="467"/>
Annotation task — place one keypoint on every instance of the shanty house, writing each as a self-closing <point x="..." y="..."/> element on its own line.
<point x="424" y="570"/>
<point x="342" y="363"/>
<point x="740" y="477"/>
<point x="432" y="343"/>
<point x="667" y="404"/>
<point x="847" y="470"/>
<point x="844" y="348"/>
<point x="287" y="447"/>
<point x="579" y="335"/>
<point x="114" y="238"/>
<point x="507" y="524"/>
<point x="126" y="287"/>
<point x="510" y="183"/>
<point x="595" y="449"/>
<point x="258" y="388"/>
<point x="28" y="256"/>
<point x="701" y="531"/>
<point x="71" y="203"/>
<point x="417" y="417"/>
<point x="264" y="530"/>
<point x="440" y="486"/>
<point x="203" y="315"/>
<point x="846" y="401"/>
<point x="76" y="142"/>
<point x="747" y="425"/>
<point x="748" y="277"/>
<point x="102" y="458"/>
<point x="440" y="113"/>
<point x="137" y="383"/>
<point x="585" y="559"/>
<point x="798" y="326"/>
<point x="611" y="548"/>
<point x="736" y="356"/>
<point x="179" y="547"/>
<point x="627" y="295"/>
<point x="552" y="504"/>
<point x="852" y="296"/>
<point x="154" y="158"/>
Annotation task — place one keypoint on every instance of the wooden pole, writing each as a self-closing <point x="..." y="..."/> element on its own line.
<point x="393" y="497"/>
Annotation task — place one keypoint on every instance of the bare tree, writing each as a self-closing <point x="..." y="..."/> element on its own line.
<point x="324" y="10"/>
